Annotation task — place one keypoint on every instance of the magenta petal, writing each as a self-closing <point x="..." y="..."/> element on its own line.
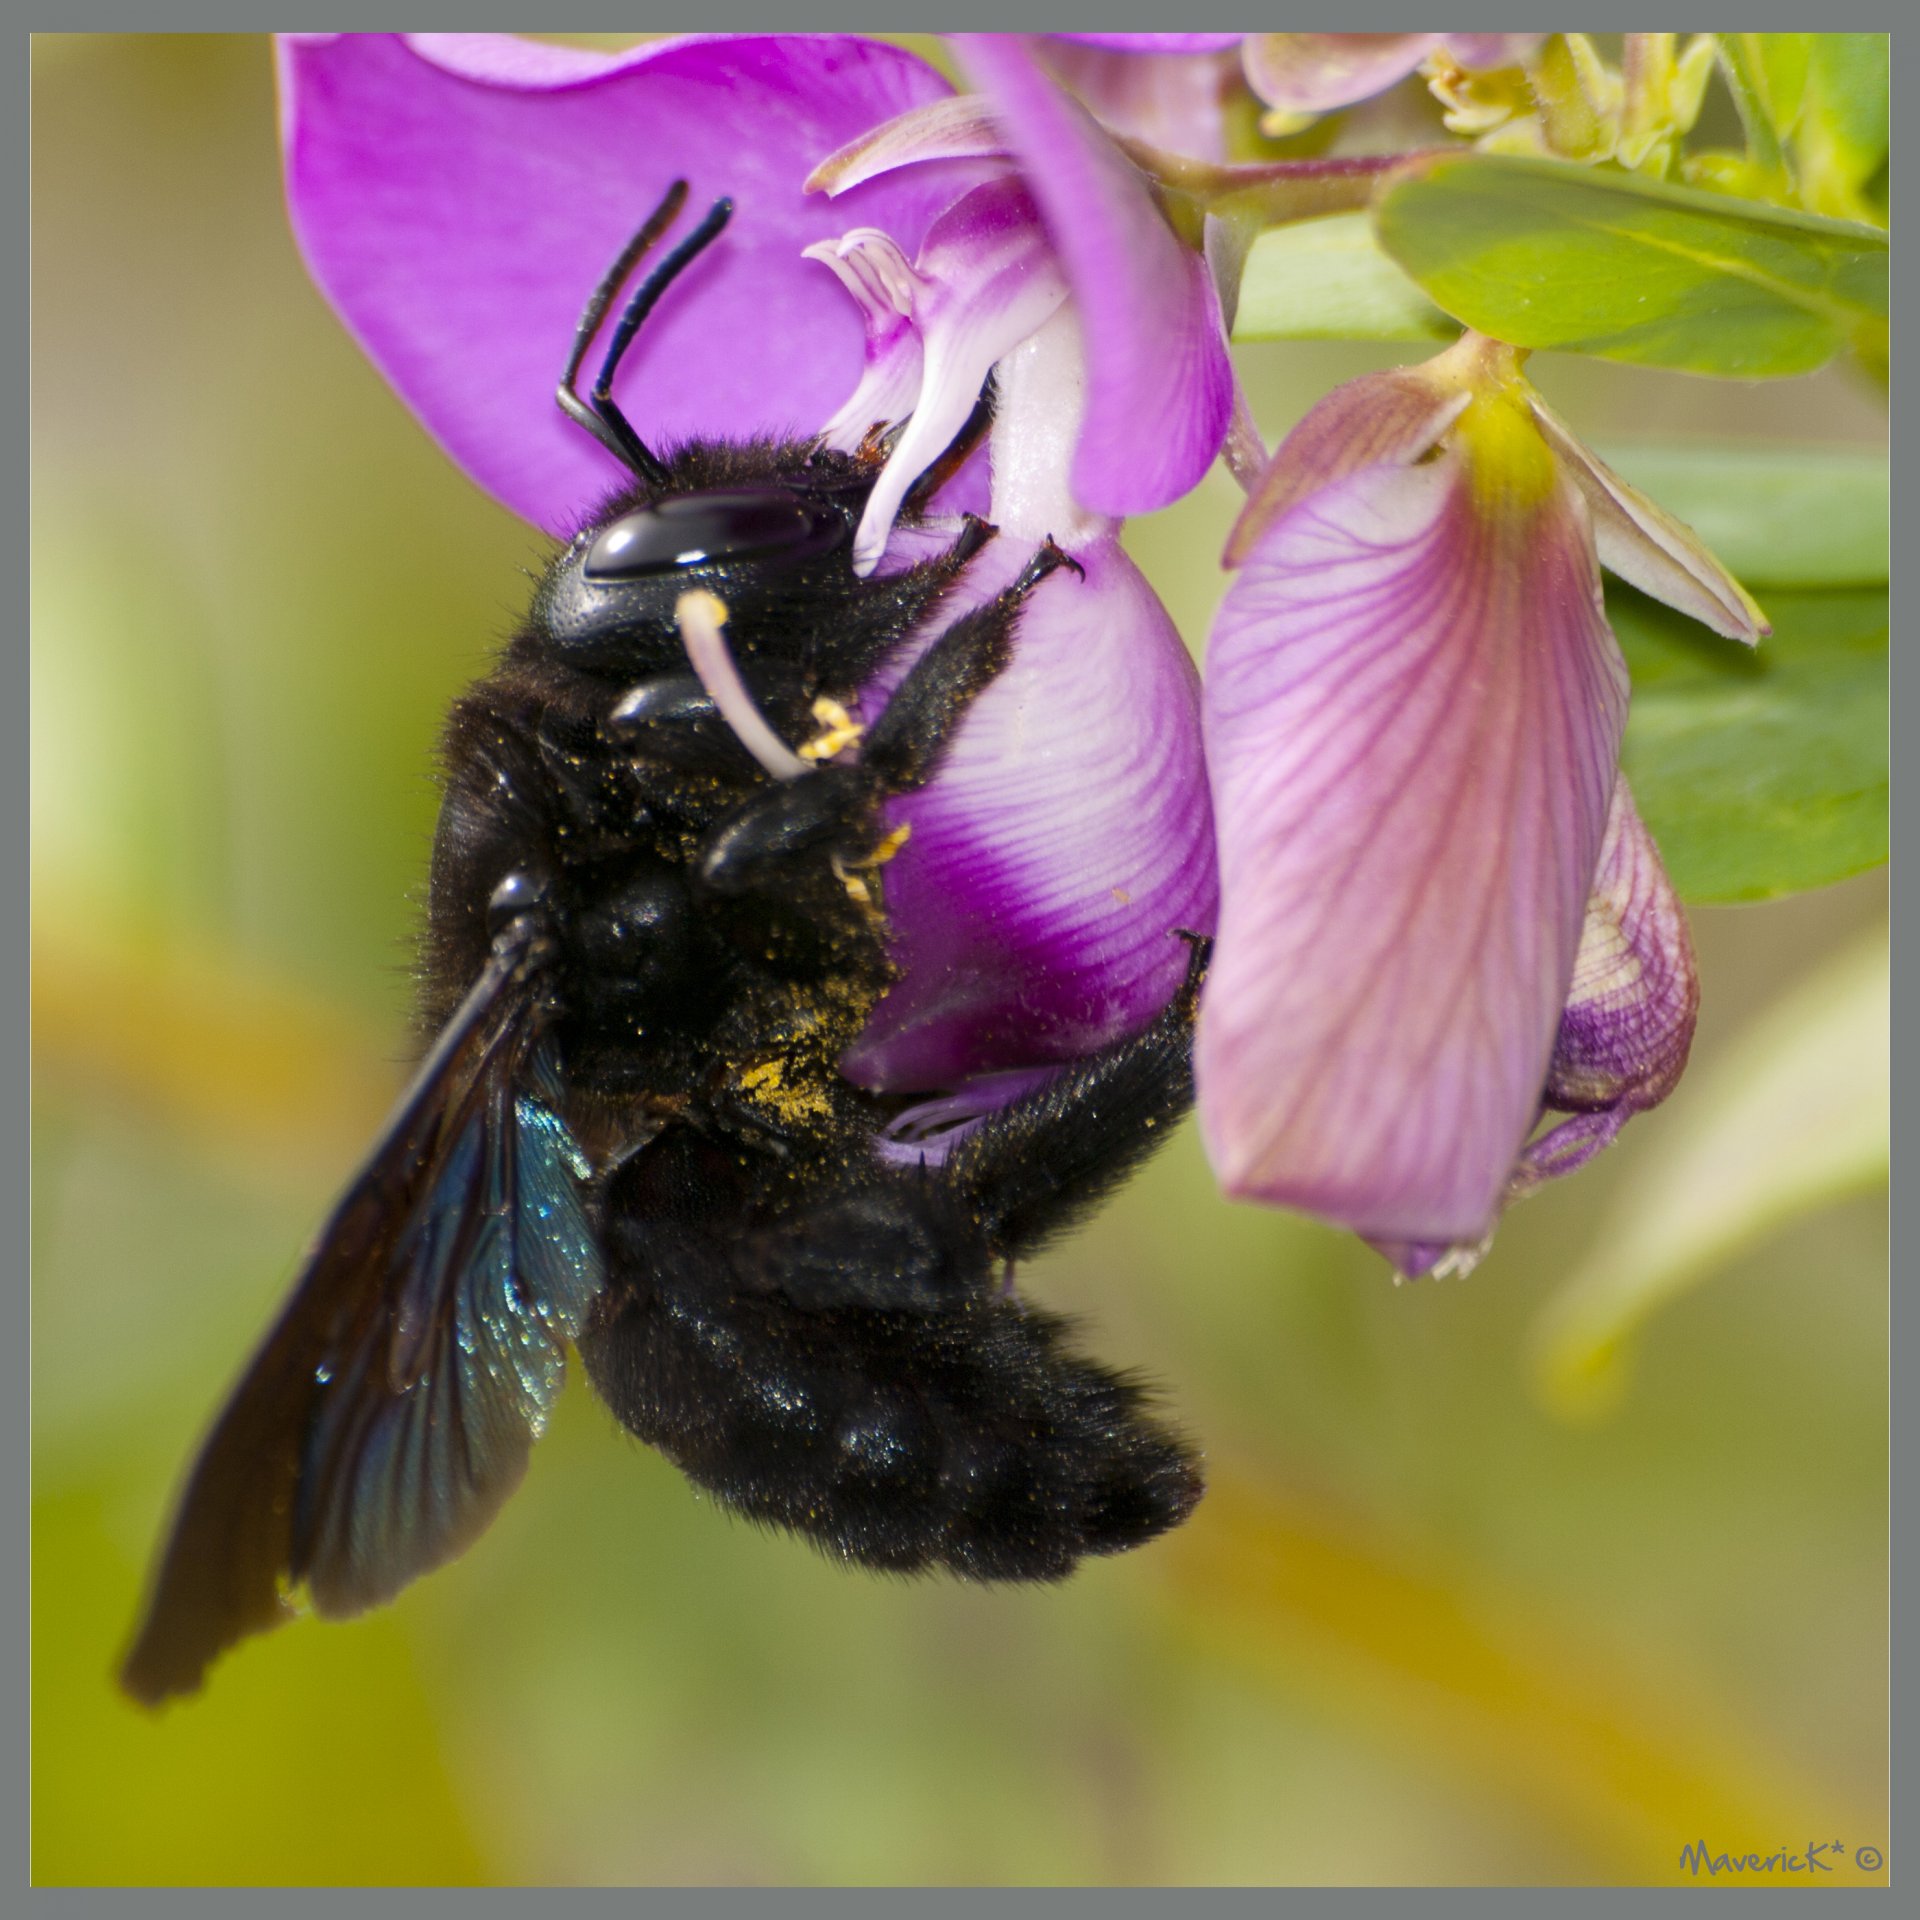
<point x="458" y="198"/>
<point x="1064" y="843"/>
<point x="1156" y="42"/>
<point x="1159" y="383"/>
<point x="1414" y="709"/>
<point x="1432" y="1259"/>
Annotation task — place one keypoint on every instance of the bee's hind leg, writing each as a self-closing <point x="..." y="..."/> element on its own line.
<point x="1038" y="1164"/>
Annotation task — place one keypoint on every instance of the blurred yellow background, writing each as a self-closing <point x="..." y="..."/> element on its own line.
<point x="1461" y="1607"/>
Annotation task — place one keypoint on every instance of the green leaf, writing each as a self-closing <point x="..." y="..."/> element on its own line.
<point x="1765" y="772"/>
<point x="1792" y="1118"/>
<point x="1776" y="516"/>
<point x="1327" y="280"/>
<point x="1842" y="136"/>
<point x="1543" y="254"/>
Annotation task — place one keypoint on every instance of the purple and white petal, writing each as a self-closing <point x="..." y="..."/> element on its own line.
<point x="923" y="1134"/>
<point x="1630" y="1010"/>
<point x="884" y="287"/>
<point x="458" y="196"/>
<point x="1064" y="844"/>
<point x="986" y="279"/>
<point x="1160" y="385"/>
<point x="1039" y="405"/>
<point x="1647" y="547"/>
<point x="1413" y="709"/>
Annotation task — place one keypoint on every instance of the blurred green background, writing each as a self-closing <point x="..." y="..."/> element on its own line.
<point x="1464" y="1605"/>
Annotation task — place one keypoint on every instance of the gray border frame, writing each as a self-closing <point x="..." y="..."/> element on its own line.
<point x="15" y="1381"/>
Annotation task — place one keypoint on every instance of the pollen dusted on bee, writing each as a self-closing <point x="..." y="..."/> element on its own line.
<point x="767" y="1084"/>
<point x="853" y="876"/>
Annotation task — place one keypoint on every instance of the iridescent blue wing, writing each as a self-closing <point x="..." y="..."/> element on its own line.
<point x="390" y="1410"/>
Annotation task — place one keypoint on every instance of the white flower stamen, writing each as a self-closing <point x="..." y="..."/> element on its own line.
<point x="701" y="616"/>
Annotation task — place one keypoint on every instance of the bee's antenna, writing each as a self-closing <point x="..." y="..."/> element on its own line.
<point x="646" y="296"/>
<point x="615" y="434"/>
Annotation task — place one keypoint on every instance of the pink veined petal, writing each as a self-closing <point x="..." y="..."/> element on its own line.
<point x="1159" y="383"/>
<point x="1174" y="101"/>
<point x="1317" y="72"/>
<point x="1624" y="1035"/>
<point x="1646" y="546"/>
<point x="1414" y="710"/>
<point x="1065" y="842"/>
<point x="457" y="200"/>
<point x="1380" y="419"/>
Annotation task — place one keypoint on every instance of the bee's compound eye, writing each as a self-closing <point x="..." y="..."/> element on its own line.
<point x="518" y="893"/>
<point x="696" y="528"/>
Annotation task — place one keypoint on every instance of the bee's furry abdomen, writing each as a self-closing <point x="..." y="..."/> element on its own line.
<point x="952" y="1428"/>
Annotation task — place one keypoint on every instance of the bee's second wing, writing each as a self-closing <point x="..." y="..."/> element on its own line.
<point x="390" y="1410"/>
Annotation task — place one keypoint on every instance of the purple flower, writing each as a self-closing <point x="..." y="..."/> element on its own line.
<point x="1440" y="914"/>
<point x="1032" y="922"/>
<point x="457" y="196"/>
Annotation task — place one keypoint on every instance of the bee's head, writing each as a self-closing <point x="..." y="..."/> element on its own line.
<point x="607" y="602"/>
<point x="765" y="526"/>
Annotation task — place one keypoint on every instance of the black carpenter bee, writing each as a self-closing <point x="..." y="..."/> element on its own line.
<point x="646" y="951"/>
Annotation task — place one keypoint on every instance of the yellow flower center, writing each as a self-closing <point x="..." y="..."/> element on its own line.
<point x="1511" y="466"/>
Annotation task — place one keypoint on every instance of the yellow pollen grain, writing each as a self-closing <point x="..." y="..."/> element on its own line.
<point x="838" y="730"/>
<point x="857" y="888"/>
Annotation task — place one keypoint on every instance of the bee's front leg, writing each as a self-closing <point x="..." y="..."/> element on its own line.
<point x="903" y="750"/>
<point x="836" y="806"/>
